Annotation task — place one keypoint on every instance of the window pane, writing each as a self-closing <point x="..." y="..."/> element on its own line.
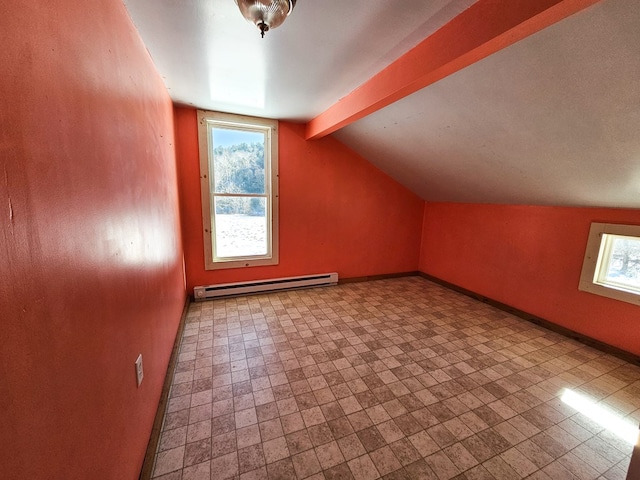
<point x="238" y="161"/>
<point x="624" y="263"/>
<point x="240" y="227"/>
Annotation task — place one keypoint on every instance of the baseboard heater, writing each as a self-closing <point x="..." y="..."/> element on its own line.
<point x="274" y="284"/>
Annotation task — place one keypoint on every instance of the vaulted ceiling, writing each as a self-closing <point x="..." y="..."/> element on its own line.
<point x="502" y="105"/>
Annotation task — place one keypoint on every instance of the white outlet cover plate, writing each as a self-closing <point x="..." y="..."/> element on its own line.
<point x="139" y="370"/>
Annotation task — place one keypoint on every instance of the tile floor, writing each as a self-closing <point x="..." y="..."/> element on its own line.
<point x="393" y="379"/>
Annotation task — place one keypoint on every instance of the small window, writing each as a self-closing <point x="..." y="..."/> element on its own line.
<point x="612" y="262"/>
<point x="239" y="184"/>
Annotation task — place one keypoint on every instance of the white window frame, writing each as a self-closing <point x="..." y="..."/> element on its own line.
<point x="596" y="259"/>
<point x="206" y="122"/>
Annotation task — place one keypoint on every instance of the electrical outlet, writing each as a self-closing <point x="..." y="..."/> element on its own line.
<point x="139" y="370"/>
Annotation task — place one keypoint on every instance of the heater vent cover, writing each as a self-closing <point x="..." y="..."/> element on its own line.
<point x="245" y="288"/>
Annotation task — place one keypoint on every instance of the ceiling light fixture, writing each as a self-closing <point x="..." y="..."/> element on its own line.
<point x="266" y="14"/>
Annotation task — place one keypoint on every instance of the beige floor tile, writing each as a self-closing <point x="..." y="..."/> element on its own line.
<point x="275" y="449"/>
<point x="443" y="467"/>
<point x="329" y="455"/>
<point x="363" y="468"/>
<point x="169" y="461"/>
<point x="306" y="464"/>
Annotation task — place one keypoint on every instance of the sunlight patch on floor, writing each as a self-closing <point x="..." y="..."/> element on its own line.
<point x="621" y="427"/>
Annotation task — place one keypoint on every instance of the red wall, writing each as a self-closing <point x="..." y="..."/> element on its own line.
<point x="529" y="258"/>
<point x="337" y="211"/>
<point x="90" y="251"/>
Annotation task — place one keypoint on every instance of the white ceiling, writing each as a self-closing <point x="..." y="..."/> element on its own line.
<point x="212" y="58"/>
<point x="553" y="119"/>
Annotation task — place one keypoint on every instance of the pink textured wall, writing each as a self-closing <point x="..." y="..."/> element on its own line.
<point x="90" y="251"/>
<point x="530" y="258"/>
<point x="337" y="211"/>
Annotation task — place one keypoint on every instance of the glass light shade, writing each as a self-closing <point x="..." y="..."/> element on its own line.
<point x="266" y="14"/>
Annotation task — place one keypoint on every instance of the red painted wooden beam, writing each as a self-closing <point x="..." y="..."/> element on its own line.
<point x="485" y="28"/>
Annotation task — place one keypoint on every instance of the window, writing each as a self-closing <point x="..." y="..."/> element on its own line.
<point x="239" y="184"/>
<point x="612" y="262"/>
